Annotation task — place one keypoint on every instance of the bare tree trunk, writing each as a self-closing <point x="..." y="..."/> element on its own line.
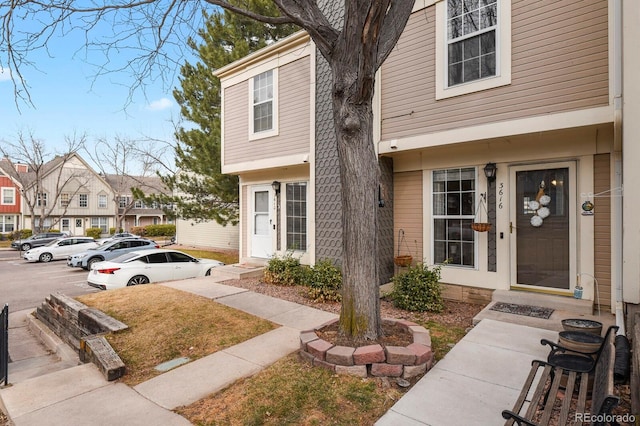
<point x="360" y="176"/>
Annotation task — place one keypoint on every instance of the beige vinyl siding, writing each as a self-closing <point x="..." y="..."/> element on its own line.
<point x="293" y="93"/>
<point x="407" y="213"/>
<point x="559" y="63"/>
<point x="207" y="234"/>
<point x="602" y="229"/>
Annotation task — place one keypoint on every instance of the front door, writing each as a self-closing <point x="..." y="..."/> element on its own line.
<point x="542" y="226"/>
<point x="261" y="222"/>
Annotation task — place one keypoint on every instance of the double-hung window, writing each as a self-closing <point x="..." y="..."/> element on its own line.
<point x="473" y="46"/>
<point x="454" y="193"/>
<point x="64" y="199"/>
<point x="41" y="199"/>
<point x="83" y="200"/>
<point x="8" y="196"/>
<point x="471" y="40"/>
<point x="102" y="201"/>
<point x="296" y="216"/>
<point x="263" y="107"/>
<point x="99" y="222"/>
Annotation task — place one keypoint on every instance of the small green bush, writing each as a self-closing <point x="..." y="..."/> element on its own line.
<point x="418" y="289"/>
<point x="165" y="230"/>
<point x="285" y="270"/>
<point x="324" y="281"/>
<point x="20" y="234"/>
<point x="94" y="232"/>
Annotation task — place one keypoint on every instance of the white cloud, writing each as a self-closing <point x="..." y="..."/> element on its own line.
<point x="160" y="104"/>
<point x="5" y="75"/>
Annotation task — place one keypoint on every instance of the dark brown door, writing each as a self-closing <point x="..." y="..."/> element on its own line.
<point x="542" y="228"/>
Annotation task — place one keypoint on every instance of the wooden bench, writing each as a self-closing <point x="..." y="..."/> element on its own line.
<point x="563" y="390"/>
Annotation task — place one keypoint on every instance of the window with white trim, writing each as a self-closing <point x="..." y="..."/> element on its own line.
<point x="454" y="193"/>
<point x="102" y="201"/>
<point x="8" y="196"/>
<point x="296" y="199"/>
<point x="7" y="223"/>
<point x="99" y="222"/>
<point x="83" y="200"/>
<point x="41" y="199"/>
<point x="471" y="40"/>
<point x="64" y="199"/>
<point x="263" y="108"/>
<point x="123" y="201"/>
<point x="473" y="46"/>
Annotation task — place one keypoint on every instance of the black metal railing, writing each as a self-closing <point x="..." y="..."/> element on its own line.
<point x="4" y="345"/>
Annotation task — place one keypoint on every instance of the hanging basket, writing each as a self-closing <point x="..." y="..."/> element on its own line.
<point x="480" y="226"/>
<point x="403" y="260"/>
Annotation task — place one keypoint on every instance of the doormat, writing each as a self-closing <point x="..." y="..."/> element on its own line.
<point x="526" y="310"/>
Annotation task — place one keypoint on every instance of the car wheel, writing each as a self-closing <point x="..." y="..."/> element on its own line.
<point x="92" y="261"/>
<point x="26" y="247"/>
<point x="137" y="280"/>
<point x="46" y="257"/>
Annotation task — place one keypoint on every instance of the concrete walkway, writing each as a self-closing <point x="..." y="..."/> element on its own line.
<point x="477" y="379"/>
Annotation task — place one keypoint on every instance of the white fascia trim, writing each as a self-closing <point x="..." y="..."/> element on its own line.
<point x="564" y="120"/>
<point x="278" y="59"/>
<point x="266" y="163"/>
<point x="423" y="4"/>
<point x="503" y="52"/>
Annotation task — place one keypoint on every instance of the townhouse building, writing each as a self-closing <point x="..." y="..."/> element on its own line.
<point x="503" y="112"/>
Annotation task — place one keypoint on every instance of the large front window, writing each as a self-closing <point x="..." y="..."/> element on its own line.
<point x="453" y="212"/>
<point x="296" y="216"/>
<point x="471" y="40"/>
<point x="99" y="222"/>
<point x="7" y="224"/>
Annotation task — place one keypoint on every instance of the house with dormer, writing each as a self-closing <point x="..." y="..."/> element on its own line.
<point x="499" y="129"/>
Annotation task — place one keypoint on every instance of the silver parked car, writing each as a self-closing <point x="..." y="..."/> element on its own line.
<point x="108" y="251"/>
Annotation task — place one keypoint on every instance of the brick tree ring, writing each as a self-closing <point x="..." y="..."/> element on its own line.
<point x="372" y="360"/>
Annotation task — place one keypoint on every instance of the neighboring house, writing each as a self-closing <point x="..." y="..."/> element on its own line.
<point x="10" y="203"/>
<point x="207" y="234"/>
<point x="72" y="195"/>
<point x="131" y="211"/>
<point x="528" y="90"/>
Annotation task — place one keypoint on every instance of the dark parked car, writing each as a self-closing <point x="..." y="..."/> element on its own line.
<point x="108" y="251"/>
<point x="37" y="240"/>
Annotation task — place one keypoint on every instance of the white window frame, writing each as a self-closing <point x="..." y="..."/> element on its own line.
<point x="41" y="199"/>
<point x="503" y="54"/>
<point x="274" y="125"/>
<point x="435" y="217"/>
<point x="7" y="220"/>
<point x="65" y="199"/>
<point x="13" y="196"/>
<point x="102" y="201"/>
<point x="286" y="216"/>
<point x="100" y="222"/>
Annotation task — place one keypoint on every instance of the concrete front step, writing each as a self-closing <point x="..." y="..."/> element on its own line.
<point x="237" y="271"/>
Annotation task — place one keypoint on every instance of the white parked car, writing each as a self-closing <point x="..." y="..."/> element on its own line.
<point x="148" y="266"/>
<point x="60" y="248"/>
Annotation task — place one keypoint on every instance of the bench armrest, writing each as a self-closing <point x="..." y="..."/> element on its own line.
<point x="508" y="414"/>
<point x="555" y="348"/>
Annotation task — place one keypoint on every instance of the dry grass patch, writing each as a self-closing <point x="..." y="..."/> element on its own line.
<point x="292" y="392"/>
<point x="227" y="258"/>
<point x="166" y="323"/>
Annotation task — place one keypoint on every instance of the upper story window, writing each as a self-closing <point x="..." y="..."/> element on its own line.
<point x="102" y="201"/>
<point x="41" y="199"/>
<point x="123" y="202"/>
<point x="64" y="199"/>
<point x="83" y="200"/>
<point x="473" y="46"/>
<point x="8" y="196"/>
<point x="138" y="204"/>
<point x="471" y="40"/>
<point x="263" y="108"/>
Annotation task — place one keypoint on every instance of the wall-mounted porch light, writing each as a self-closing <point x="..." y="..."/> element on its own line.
<point x="490" y="171"/>
<point x="276" y="186"/>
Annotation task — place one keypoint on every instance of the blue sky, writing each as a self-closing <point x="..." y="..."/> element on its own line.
<point x="68" y="98"/>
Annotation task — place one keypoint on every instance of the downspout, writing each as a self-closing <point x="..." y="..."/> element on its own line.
<point x="617" y="261"/>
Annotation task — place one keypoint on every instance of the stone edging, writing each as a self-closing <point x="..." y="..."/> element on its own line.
<point x="375" y="360"/>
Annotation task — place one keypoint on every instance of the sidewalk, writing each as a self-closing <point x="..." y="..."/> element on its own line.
<point x="479" y="377"/>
